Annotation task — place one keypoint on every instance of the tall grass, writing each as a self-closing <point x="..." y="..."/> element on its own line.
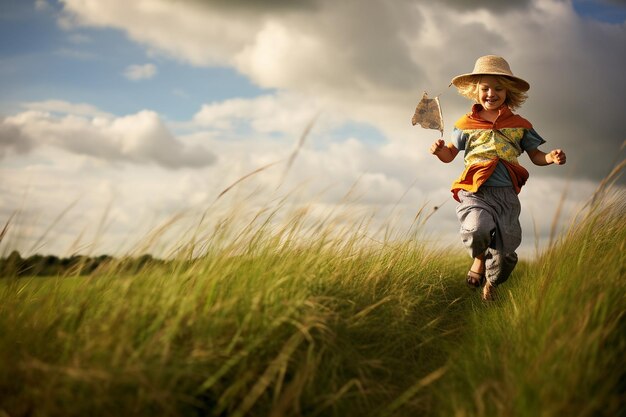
<point x="316" y="319"/>
<point x="265" y="323"/>
<point x="554" y="345"/>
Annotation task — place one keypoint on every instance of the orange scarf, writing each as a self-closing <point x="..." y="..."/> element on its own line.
<point x="475" y="175"/>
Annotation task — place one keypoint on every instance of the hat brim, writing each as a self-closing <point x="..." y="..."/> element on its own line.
<point x="464" y="79"/>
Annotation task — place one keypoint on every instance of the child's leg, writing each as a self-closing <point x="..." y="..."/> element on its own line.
<point x="491" y="231"/>
<point x="477" y="226"/>
<point x="499" y="266"/>
<point x="500" y="259"/>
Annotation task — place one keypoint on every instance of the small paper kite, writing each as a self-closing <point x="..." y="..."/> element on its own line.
<point x="428" y="114"/>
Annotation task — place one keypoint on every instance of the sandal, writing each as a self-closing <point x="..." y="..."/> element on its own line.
<point x="474" y="279"/>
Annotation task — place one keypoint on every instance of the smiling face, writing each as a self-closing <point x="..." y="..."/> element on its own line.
<point x="491" y="93"/>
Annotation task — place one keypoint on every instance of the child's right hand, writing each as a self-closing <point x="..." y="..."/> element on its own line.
<point x="437" y="146"/>
<point x="444" y="153"/>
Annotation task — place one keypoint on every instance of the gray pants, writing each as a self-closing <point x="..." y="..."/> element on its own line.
<point x="490" y="225"/>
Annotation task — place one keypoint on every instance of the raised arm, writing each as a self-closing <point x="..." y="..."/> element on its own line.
<point x="556" y="156"/>
<point x="445" y="153"/>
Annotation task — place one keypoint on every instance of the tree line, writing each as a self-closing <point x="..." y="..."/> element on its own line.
<point x="15" y="265"/>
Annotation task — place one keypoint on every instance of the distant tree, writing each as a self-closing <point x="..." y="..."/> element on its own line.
<point x="12" y="265"/>
<point x="101" y="262"/>
<point x="38" y="265"/>
<point x="51" y="265"/>
<point x="32" y="265"/>
<point x="144" y="260"/>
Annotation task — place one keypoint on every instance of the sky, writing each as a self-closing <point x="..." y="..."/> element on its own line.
<point x="121" y="119"/>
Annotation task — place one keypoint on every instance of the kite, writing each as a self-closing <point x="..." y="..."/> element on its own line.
<point x="428" y="114"/>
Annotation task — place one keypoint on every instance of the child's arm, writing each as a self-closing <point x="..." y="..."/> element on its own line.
<point x="445" y="153"/>
<point x="556" y="156"/>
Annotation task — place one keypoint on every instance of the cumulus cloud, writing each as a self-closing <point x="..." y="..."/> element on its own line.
<point x="12" y="140"/>
<point x="181" y="30"/>
<point x="140" y="72"/>
<point x="487" y="4"/>
<point x="42" y="5"/>
<point x="280" y="113"/>
<point x="267" y="6"/>
<point x="372" y="61"/>
<point x="64" y="107"/>
<point x="138" y="138"/>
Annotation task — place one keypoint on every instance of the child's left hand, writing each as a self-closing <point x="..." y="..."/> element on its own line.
<point x="558" y="156"/>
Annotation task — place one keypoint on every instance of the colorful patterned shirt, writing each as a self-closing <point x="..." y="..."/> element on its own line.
<point x="491" y="149"/>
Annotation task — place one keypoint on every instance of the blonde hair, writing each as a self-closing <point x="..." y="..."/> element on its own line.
<point x="515" y="97"/>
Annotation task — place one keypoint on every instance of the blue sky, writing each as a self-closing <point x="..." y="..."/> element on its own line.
<point x="41" y="60"/>
<point x="603" y="11"/>
<point x="222" y="90"/>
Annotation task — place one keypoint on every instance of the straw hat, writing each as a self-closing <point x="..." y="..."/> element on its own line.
<point x="490" y="65"/>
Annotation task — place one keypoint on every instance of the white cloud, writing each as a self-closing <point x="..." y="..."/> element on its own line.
<point x="64" y="107"/>
<point x="42" y="5"/>
<point x="12" y="141"/>
<point x="173" y="28"/>
<point x="283" y="113"/>
<point x="137" y="138"/>
<point x="140" y="72"/>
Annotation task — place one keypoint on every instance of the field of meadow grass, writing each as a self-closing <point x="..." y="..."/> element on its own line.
<point x="270" y="321"/>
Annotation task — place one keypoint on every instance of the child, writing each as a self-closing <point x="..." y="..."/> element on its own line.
<point x="492" y="138"/>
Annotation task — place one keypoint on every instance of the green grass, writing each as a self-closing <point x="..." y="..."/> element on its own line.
<point x="555" y="344"/>
<point x="270" y="323"/>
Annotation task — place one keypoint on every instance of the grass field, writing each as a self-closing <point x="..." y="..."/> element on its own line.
<point x="268" y="323"/>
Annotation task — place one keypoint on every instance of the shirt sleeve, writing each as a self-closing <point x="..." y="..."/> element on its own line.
<point x="458" y="139"/>
<point x="531" y="140"/>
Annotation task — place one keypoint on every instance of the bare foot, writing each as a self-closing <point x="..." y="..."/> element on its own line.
<point x="476" y="274"/>
<point x="474" y="279"/>
<point x="489" y="291"/>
